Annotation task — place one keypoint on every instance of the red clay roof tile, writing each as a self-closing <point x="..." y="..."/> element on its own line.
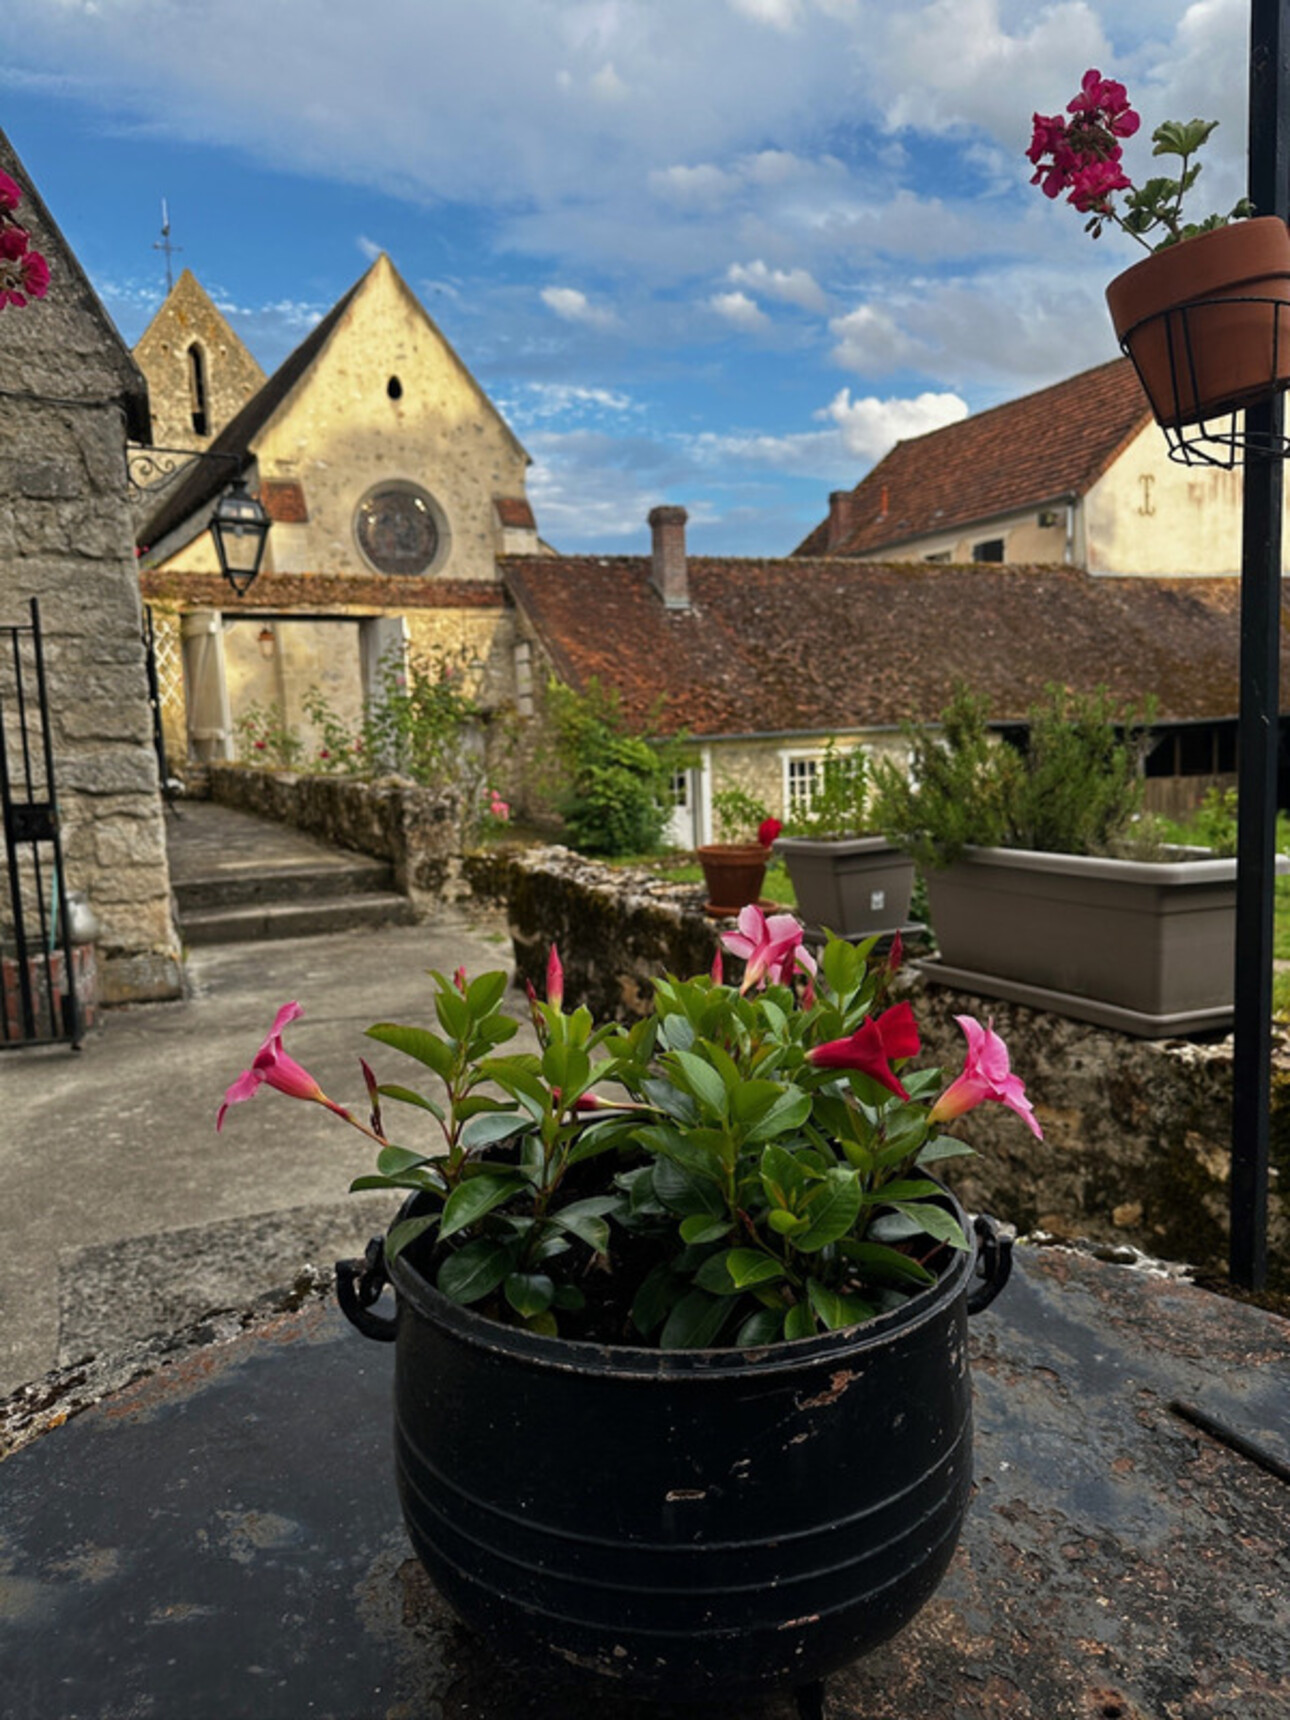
<point x="1038" y="449"/>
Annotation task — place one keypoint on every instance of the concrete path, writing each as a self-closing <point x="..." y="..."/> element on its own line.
<point x="124" y="1214"/>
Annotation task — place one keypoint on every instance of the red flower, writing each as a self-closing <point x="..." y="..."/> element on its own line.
<point x="272" y="1065"/>
<point x="10" y="192"/>
<point x="768" y="830"/>
<point x="870" y="1049"/>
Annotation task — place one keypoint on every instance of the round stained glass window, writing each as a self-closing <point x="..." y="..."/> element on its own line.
<point x="397" y="528"/>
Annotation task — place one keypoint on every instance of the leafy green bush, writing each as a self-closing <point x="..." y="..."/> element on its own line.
<point x="615" y="792"/>
<point x="1076" y="789"/>
<point x="419" y="725"/>
<point x="264" y="737"/>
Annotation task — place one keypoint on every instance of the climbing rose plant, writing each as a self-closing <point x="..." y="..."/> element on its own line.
<point x="1081" y="156"/>
<point x="24" y="273"/>
<point x="747" y="1164"/>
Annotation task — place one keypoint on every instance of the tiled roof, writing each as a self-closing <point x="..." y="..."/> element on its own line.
<point x="814" y="645"/>
<point x="515" y="511"/>
<point x="315" y="592"/>
<point x="1024" y="453"/>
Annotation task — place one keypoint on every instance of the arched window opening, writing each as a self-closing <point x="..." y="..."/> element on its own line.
<point x="197" y="390"/>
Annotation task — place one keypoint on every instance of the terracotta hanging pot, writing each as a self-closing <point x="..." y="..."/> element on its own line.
<point x="1203" y="321"/>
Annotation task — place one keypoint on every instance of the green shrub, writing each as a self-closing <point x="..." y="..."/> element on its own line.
<point x="1076" y="789"/>
<point x="264" y="737"/>
<point x="615" y="792"/>
<point x="737" y="814"/>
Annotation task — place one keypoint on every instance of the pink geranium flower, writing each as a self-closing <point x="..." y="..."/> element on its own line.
<point x="986" y="1075"/>
<point x="871" y="1048"/>
<point x="271" y="1065"/>
<point x="10" y="192"/>
<point x="772" y="949"/>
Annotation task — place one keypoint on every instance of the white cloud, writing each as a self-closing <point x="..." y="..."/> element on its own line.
<point x="870" y="427"/>
<point x="704" y="184"/>
<point x="779" y="14"/>
<point x="607" y="86"/>
<point x="743" y="312"/>
<point x="574" y="306"/>
<point x="369" y="247"/>
<point x="793" y="286"/>
<point x="545" y="400"/>
<point x="872" y="342"/>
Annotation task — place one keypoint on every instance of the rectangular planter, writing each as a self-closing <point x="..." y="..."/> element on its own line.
<point x="853" y="885"/>
<point x="1145" y="947"/>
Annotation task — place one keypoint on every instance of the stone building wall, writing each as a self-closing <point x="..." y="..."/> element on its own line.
<point x="227" y="378"/>
<point x="69" y="395"/>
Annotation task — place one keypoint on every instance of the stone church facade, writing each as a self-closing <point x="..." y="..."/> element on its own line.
<point x="393" y="484"/>
<point x="71" y="397"/>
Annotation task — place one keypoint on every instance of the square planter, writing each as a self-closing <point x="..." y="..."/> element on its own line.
<point x="1144" y="947"/>
<point x="853" y="885"/>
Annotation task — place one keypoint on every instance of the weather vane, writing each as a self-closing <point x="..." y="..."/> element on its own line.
<point x="163" y="244"/>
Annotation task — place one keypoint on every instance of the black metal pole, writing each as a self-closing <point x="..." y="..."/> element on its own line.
<point x="1269" y="191"/>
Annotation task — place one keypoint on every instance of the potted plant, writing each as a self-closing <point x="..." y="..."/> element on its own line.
<point x="1201" y="317"/>
<point x="734" y="867"/>
<point x="1045" y="883"/>
<point x="846" y="875"/>
<point x="681" y="1381"/>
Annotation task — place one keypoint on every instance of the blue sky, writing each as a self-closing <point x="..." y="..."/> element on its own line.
<point x="716" y="252"/>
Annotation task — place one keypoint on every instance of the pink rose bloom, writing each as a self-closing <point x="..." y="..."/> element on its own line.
<point x="986" y="1075"/>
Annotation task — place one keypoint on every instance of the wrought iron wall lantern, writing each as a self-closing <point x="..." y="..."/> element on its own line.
<point x="239" y="524"/>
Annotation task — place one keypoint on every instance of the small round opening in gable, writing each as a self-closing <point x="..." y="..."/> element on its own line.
<point x="394" y="388"/>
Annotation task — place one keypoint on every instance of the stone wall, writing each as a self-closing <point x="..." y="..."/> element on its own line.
<point x="1136" y="1132"/>
<point x="418" y="830"/>
<point x="67" y="539"/>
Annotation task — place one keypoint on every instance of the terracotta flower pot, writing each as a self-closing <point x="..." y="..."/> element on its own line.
<point x="734" y="873"/>
<point x="1202" y="320"/>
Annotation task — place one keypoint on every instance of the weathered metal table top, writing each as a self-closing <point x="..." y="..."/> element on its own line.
<point x="223" y="1538"/>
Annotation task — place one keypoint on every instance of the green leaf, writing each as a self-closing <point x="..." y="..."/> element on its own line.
<point x="392" y="1161"/>
<point x="934" y="1221"/>
<point x="832" y="1210"/>
<point x="519" y="1077"/>
<point x="425" y="1180"/>
<point x="886" y="1265"/>
<point x="703" y="1082"/>
<point x="529" y="1293"/>
<point x="789" y="1111"/>
<point x="699" y="1227"/>
<point x="601" y="1138"/>
<point x="749" y="1266"/>
<point x="453" y="1012"/>
<point x="945" y="1147"/>
<point x="785" y="1223"/>
<point x="485" y="993"/>
<point x="476" y="1270"/>
<point x="905" y="1189"/>
<point x="781" y="1175"/>
<point x="584" y="1220"/>
<point x="893" y="1227"/>
<point x="714" y="1276"/>
<point x="407" y="1096"/>
<point x="835" y="1310"/>
<point x="400" y="1235"/>
<point x="569" y="1298"/>
<point x="696" y="1321"/>
<point x="799" y="1322"/>
<point x="763" y="1327"/>
<point x="660" y="1290"/>
<point x="569" y="1068"/>
<point x="687" y="1192"/>
<point x="416" y="1042"/>
<point x="490" y="1127"/>
<point x="474" y="1197"/>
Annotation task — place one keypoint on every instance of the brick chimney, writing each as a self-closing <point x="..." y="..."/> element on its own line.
<point x="668" y="572"/>
<point x="842" y="519"/>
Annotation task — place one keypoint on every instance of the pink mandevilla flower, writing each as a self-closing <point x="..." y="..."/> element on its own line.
<point x="873" y="1045"/>
<point x="271" y="1065"/>
<point x="986" y="1075"/>
<point x="554" y="979"/>
<point x="772" y="949"/>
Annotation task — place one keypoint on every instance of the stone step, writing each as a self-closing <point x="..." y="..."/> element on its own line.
<point x="345" y="875"/>
<point x="260" y="921"/>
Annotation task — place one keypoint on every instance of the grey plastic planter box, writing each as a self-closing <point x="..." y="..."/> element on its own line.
<point x="854" y="885"/>
<point x="1145" y="947"/>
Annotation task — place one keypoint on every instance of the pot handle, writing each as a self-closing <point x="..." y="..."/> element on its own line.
<point x="993" y="1261"/>
<point x="359" y="1284"/>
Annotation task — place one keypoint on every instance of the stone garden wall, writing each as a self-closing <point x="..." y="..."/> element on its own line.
<point x="1136" y="1132"/>
<point x="418" y="830"/>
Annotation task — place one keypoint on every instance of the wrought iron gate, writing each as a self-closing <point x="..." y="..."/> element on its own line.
<point x="38" y="974"/>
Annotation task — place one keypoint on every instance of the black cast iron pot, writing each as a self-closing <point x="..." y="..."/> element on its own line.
<point x="687" y="1523"/>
